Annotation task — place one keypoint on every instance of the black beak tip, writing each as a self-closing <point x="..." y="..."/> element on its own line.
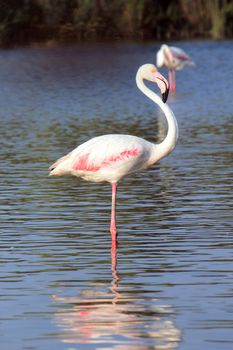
<point x="165" y="95"/>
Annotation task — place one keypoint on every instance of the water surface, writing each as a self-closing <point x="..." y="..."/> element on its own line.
<point x="172" y="285"/>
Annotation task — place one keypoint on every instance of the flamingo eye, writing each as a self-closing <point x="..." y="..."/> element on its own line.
<point x="153" y="70"/>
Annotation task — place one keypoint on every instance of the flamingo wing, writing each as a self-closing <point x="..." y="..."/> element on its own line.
<point x="179" y="53"/>
<point x="104" y="152"/>
<point x="84" y="163"/>
<point x="181" y="57"/>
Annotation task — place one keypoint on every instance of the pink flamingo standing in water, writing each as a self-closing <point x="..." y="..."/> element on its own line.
<point x="174" y="59"/>
<point x="111" y="157"/>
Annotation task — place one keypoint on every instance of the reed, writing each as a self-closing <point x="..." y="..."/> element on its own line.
<point x="25" y="21"/>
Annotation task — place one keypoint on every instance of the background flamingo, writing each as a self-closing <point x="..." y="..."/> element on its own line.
<point x="174" y="59"/>
<point x="111" y="157"/>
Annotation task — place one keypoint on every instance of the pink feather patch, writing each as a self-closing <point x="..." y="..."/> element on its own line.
<point x="85" y="165"/>
<point x="182" y="57"/>
<point x="121" y="156"/>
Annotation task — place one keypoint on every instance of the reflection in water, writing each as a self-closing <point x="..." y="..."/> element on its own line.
<point x="116" y="319"/>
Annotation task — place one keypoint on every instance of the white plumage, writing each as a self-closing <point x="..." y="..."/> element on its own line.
<point x="108" y="158"/>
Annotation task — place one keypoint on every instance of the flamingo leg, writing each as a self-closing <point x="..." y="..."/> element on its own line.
<point x="113" y="214"/>
<point x="115" y="275"/>
<point x="172" y="79"/>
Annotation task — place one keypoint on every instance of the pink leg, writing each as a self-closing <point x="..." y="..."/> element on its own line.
<point x="115" y="275"/>
<point x="170" y="79"/>
<point x="174" y="79"/>
<point x="113" y="214"/>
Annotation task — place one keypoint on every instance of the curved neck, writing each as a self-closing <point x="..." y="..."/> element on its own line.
<point x="169" y="143"/>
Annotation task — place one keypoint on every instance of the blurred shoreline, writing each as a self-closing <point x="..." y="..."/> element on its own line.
<point x="52" y="22"/>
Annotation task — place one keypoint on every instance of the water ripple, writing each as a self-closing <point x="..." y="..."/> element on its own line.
<point x="60" y="284"/>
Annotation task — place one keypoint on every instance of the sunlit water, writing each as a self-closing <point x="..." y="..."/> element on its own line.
<point x="172" y="285"/>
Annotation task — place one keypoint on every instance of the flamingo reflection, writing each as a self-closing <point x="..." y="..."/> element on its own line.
<point x="116" y="319"/>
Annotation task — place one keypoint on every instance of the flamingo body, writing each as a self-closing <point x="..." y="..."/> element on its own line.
<point x="174" y="59"/>
<point x="106" y="158"/>
<point x="114" y="156"/>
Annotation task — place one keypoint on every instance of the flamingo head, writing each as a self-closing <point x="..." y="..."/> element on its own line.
<point x="150" y="72"/>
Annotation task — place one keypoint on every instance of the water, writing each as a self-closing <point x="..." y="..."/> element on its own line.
<point x="60" y="285"/>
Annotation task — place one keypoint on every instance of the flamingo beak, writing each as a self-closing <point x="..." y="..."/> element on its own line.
<point x="162" y="84"/>
<point x="165" y="95"/>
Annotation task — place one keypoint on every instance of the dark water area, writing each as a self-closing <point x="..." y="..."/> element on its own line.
<point x="172" y="285"/>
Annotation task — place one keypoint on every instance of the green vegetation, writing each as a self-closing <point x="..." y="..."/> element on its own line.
<point x="28" y="21"/>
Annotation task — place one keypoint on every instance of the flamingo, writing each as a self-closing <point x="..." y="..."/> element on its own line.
<point x="174" y="59"/>
<point x="112" y="157"/>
